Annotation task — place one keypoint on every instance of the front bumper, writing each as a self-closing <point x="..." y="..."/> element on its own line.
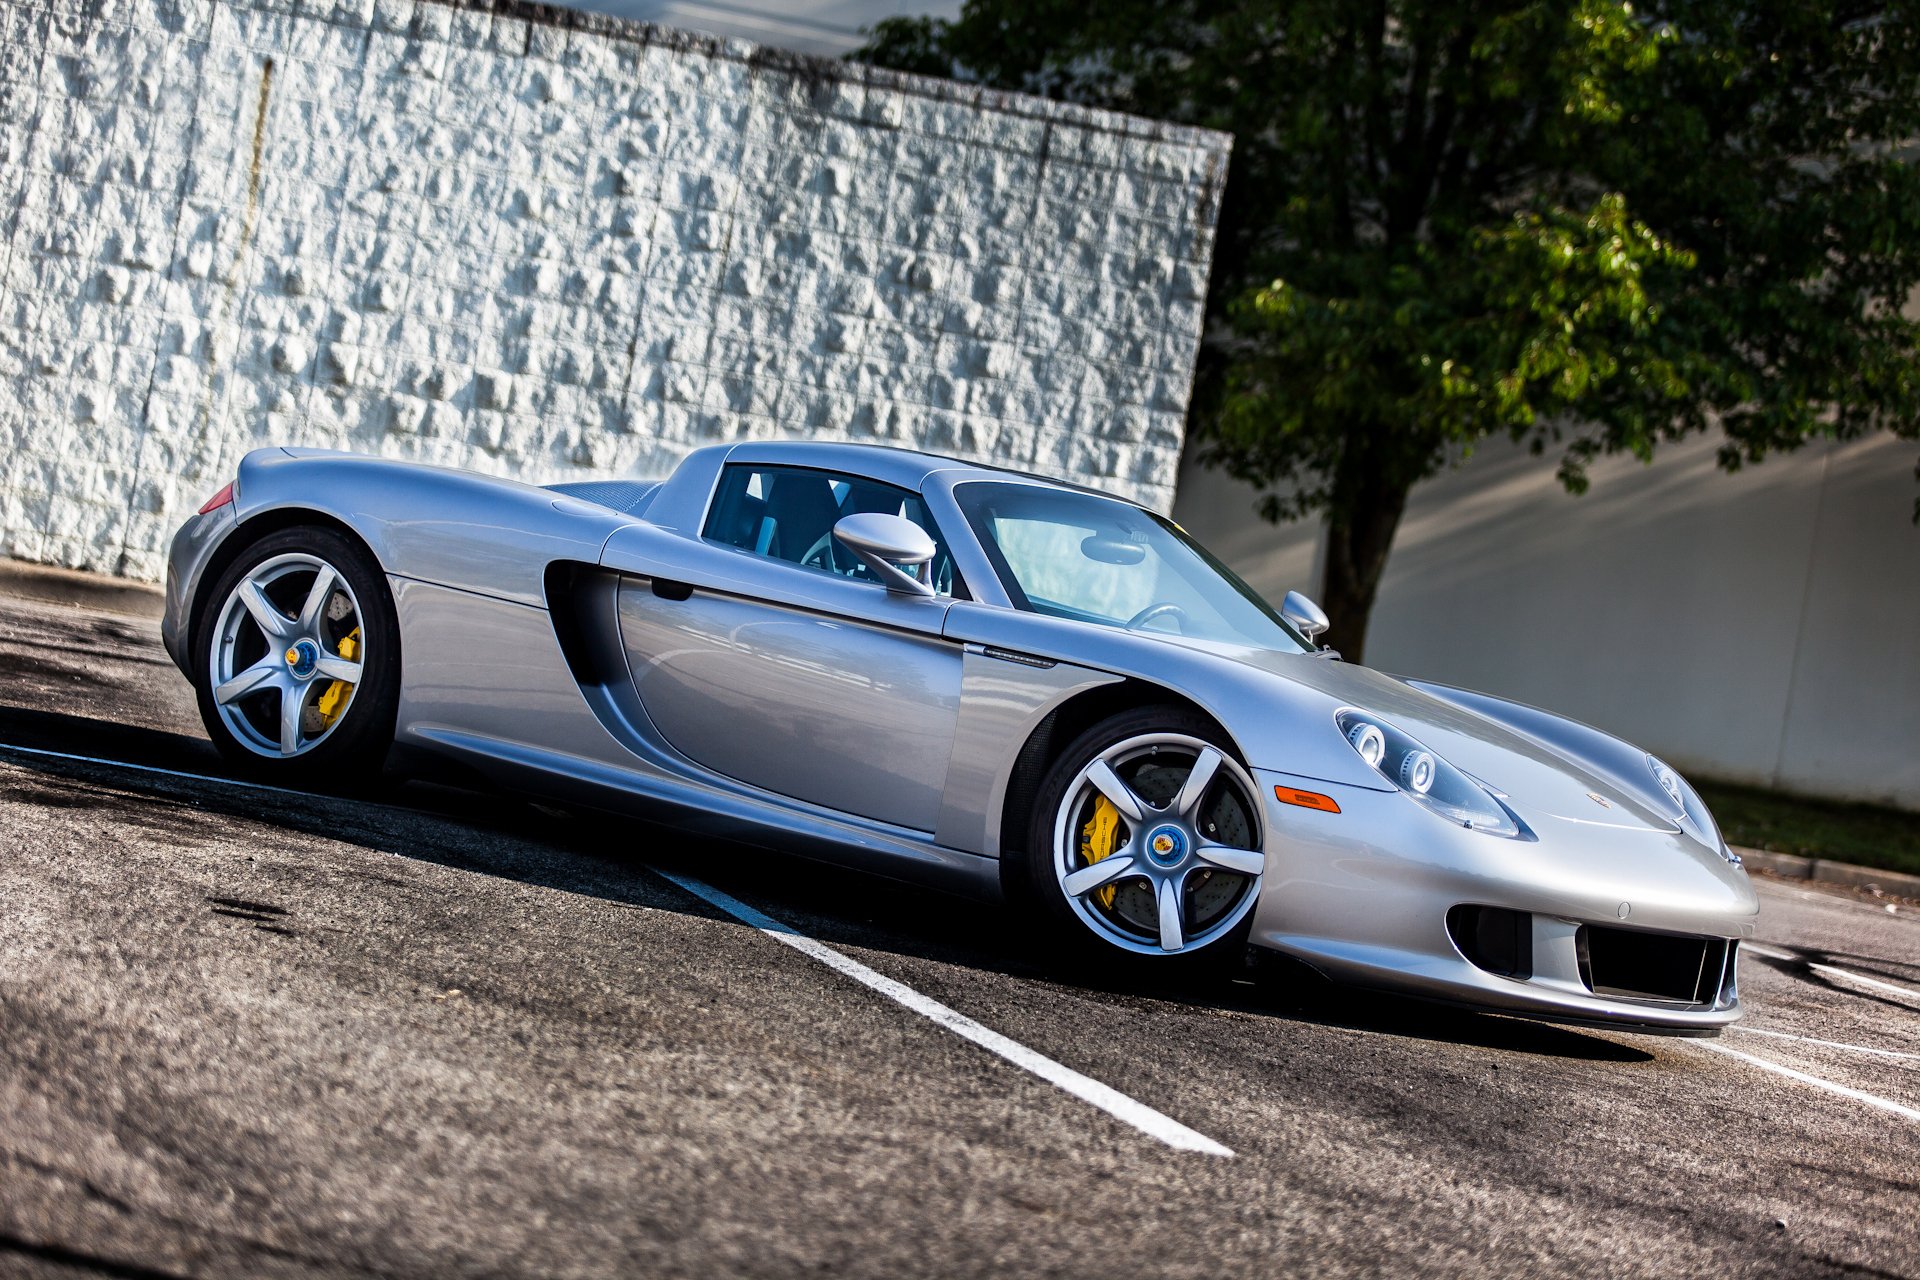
<point x="1364" y="895"/>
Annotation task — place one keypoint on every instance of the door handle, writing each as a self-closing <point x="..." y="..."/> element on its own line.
<point x="668" y="589"/>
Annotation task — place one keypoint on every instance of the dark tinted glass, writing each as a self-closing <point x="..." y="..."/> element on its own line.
<point x="788" y="513"/>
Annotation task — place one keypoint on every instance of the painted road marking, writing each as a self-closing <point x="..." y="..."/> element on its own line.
<point x="1087" y="1089"/>
<point x="194" y="777"/>
<point x="1858" y="1095"/>
<point x="1108" y="1099"/>
<point x="1831" y="1044"/>
<point x="1843" y="975"/>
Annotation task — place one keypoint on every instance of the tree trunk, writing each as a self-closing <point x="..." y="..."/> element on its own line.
<point x="1366" y="510"/>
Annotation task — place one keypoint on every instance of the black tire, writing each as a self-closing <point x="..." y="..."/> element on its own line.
<point x="1072" y="940"/>
<point x="353" y="748"/>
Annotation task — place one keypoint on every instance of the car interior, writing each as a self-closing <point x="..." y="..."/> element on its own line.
<point x="788" y="513"/>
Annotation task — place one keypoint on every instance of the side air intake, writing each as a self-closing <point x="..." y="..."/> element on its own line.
<point x="1494" y="938"/>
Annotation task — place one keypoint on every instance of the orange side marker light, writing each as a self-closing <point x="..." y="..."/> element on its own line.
<point x="1306" y="799"/>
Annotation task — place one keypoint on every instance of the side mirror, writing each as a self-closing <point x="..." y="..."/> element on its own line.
<point x="883" y="543"/>
<point x="1308" y="618"/>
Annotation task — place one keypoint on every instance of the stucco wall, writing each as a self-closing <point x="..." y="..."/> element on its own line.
<point x="555" y="246"/>
<point x="1759" y="627"/>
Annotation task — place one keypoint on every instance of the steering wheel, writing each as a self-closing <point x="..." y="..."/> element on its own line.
<point x="1153" y="611"/>
<point x="821" y="555"/>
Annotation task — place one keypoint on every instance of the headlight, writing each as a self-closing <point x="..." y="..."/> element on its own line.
<point x="1425" y="776"/>
<point x="1689" y="810"/>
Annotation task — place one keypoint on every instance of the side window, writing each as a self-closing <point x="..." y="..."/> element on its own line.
<point x="788" y="513"/>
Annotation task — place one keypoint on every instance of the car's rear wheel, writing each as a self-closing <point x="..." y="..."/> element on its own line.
<point x="1145" y="845"/>
<point x="297" y="654"/>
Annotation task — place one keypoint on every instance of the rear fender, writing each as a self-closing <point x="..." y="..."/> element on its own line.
<point x="455" y="529"/>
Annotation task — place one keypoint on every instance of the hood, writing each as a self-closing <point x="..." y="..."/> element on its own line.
<point x="1532" y="776"/>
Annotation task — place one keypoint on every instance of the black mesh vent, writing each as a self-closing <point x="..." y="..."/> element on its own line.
<point x="628" y="497"/>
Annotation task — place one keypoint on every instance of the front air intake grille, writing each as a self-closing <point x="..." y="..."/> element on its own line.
<point x="1641" y="965"/>
<point x="1494" y="938"/>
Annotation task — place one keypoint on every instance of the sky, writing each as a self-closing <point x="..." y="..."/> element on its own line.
<point x="830" y="27"/>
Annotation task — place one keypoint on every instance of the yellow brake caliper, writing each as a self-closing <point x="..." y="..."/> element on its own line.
<point x="333" y="698"/>
<point x="1097" y="839"/>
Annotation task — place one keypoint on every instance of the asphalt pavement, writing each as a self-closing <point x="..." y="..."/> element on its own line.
<point x="429" y="1031"/>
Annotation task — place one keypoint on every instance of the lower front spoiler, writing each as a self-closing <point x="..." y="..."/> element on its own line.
<point x="1595" y="922"/>
<point x="1455" y="982"/>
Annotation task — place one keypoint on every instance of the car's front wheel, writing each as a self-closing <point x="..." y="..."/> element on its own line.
<point x="1146" y="840"/>
<point x="297" y="651"/>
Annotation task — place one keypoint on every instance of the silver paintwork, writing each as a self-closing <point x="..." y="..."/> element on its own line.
<point x="1004" y="695"/>
<point x="194" y="549"/>
<point x="835" y="711"/>
<point x="796" y="708"/>
<point x="1308" y="618"/>
<point x="501" y="698"/>
<point x="883" y="542"/>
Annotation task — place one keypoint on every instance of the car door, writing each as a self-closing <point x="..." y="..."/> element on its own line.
<point x="777" y="661"/>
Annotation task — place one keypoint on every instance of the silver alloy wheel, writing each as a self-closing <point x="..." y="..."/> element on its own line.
<point x="1167" y="843"/>
<point x="276" y="650"/>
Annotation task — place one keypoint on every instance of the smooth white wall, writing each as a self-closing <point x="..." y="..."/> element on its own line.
<point x="1759" y="627"/>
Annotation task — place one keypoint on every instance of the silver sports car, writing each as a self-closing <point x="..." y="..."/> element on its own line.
<point x="961" y="676"/>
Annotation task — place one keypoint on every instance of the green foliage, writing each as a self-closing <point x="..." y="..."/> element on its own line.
<point x="1523" y="324"/>
<point x="1593" y="225"/>
<point x="1868" y="835"/>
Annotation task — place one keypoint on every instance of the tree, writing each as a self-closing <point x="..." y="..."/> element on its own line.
<point x="1590" y="225"/>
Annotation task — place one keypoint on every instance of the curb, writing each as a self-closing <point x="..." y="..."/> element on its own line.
<point x="81" y="590"/>
<point x="1790" y="866"/>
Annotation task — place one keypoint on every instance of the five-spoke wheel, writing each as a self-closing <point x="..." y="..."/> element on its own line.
<point x="287" y="654"/>
<point x="1147" y="836"/>
<point x="296" y="641"/>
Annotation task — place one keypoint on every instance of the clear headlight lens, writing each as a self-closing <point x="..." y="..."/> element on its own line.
<point x="1425" y="776"/>
<point x="1417" y="772"/>
<point x="1369" y="742"/>
<point x="1689" y="810"/>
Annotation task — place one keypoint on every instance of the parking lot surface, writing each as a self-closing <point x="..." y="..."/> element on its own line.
<point x="428" y="1031"/>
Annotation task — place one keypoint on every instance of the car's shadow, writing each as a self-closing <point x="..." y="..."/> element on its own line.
<point x="485" y="832"/>
<point x="1809" y="965"/>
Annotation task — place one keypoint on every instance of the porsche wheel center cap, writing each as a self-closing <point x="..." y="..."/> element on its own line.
<point x="302" y="658"/>
<point x="1167" y="845"/>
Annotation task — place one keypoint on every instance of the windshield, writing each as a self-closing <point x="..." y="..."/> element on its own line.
<point x="1095" y="559"/>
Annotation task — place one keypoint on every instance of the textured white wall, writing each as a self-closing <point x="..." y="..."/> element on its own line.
<point x="556" y="246"/>
<point x="1759" y="627"/>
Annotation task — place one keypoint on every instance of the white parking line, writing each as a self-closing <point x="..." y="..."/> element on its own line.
<point x="178" y="773"/>
<point x="1105" y="1097"/>
<point x="1843" y="975"/>
<point x="1108" y="1099"/>
<point x="1831" y="1044"/>
<point x="1845" y="1091"/>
